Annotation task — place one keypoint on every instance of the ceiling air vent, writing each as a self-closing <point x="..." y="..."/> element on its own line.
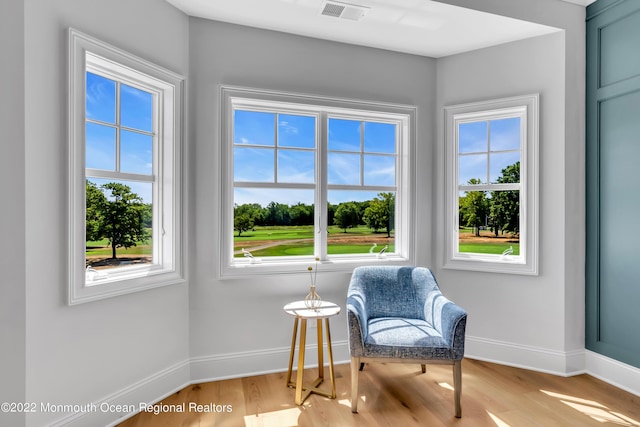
<point x="348" y="11"/>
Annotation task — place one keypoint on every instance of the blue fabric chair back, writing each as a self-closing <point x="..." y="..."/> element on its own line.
<point x="394" y="291"/>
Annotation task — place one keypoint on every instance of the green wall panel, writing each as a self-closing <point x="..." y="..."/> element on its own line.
<point x="613" y="180"/>
<point x="618" y="41"/>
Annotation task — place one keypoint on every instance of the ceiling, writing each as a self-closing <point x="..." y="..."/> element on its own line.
<point x="420" y="27"/>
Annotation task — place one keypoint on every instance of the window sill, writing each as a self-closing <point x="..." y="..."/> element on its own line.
<point x="110" y="287"/>
<point x="489" y="264"/>
<point x="265" y="267"/>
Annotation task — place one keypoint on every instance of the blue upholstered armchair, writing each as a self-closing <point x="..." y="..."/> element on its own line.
<point x="398" y="314"/>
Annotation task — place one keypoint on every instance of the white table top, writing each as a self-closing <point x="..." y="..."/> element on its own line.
<point x="298" y="309"/>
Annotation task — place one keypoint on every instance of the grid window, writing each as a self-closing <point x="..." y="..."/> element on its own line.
<point x="124" y="172"/>
<point x="311" y="180"/>
<point x="492" y="186"/>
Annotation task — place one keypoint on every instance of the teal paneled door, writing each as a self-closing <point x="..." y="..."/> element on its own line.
<point x="613" y="180"/>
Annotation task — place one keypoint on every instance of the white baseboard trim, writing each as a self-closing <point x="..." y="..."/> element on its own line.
<point x="111" y="409"/>
<point x="236" y="365"/>
<point x="192" y="371"/>
<point x="562" y="363"/>
<point x="611" y="371"/>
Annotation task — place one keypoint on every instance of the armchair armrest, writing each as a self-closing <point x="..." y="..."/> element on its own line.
<point x="453" y="321"/>
<point x="357" y="320"/>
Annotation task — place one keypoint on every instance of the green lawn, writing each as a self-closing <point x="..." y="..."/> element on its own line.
<point x="275" y="233"/>
<point x="498" y="246"/>
<point x="263" y="235"/>
<point x="488" y="248"/>
<point x="292" y="249"/>
<point x="101" y="248"/>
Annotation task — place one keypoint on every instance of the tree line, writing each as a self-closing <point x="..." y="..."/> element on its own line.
<point x="500" y="211"/>
<point x="115" y="213"/>
<point x="376" y="214"/>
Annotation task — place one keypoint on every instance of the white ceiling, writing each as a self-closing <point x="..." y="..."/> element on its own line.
<point x="420" y="27"/>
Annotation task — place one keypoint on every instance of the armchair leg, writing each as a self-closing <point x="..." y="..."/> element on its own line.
<point x="355" y="361"/>
<point x="457" y="386"/>
<point x="361" y="366"/>
<point x="424" y="368"/>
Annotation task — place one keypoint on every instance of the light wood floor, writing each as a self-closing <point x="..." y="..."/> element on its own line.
<point x="399" y="395"/>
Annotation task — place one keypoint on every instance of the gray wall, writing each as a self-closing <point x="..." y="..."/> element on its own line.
<point x="532" y="321"/>
<point x="501" y="306"/>
<point x="87" y="352"/>
<point x="12" y="210"/>
<point x="224" y="310"/>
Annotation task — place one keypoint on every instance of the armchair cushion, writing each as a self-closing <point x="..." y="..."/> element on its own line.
<point x="402" y="338"/>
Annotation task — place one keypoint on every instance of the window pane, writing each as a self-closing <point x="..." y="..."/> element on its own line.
<point x="379" y="170"/>
<point x="100" y="147"/>
<point x="379" y="137"/>
<point x="472" y="137"/>
<point x="344" y="169"/>
<point x="119" y="219"/>
<point x="136" y="152"/>
<point x="505" y="134"/>
<point x="296" y="131"/>
<point x="100" y="98"/>
<point x="296" y="166"/>
<point x="344" y="135"/>
<point x="136" y="108"/>
<point x="489" y="222"/>
<point x="472" y="166"/>
<point x="254" y="128"/>
<point x="271" y="223"/>
<point x="361" y="222"/>
<point x="253" y="164"/>
<point x="502" y="167"/>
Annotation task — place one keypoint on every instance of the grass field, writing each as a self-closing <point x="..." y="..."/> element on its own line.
<point x="487" y="243"/>
<point x="297" y="241"/>
<point x="488" y="248"/>
<point x="101" y="249"/>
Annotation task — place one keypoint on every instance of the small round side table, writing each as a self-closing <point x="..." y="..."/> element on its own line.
<point x="301" y="314"/>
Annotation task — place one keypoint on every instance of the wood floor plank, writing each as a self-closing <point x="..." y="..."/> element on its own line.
<point x="393" y="395"/>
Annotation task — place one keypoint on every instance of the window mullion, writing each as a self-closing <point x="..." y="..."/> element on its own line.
<point x="118" y="152"/>
<point x="488" y="181"/>
<point x="321" y="196"/>
<point x="275" y="148"/>
<point x="361" y="152"/>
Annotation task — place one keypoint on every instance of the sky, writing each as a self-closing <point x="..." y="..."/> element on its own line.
<point x="486" y="148"/>
<point x="270" y="148"/>
<point x="133" y="122"/>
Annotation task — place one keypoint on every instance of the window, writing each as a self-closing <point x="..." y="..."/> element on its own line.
<point x="124" y="172"/>
<point x="492" y="151"/>
<point x="308" y="177"/>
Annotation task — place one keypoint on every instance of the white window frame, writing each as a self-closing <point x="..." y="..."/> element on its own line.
<point x="322" y="107"/>
<point x="89" y="54"/>
<point x="525" y="107"/>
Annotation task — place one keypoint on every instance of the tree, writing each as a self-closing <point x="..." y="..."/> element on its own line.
<point x="242" y="222"/>
<point x="301" y="214"/>
<point x="379" y="214"/>
<point x="347" y="216"/>
<point x="505" y="205"/>
<point x="474" y="207"/>
<point x="244" y="217"/>
<point x="122" y="217"/>
<point x="94" y="207"/>
<point x="277" y="214"/>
